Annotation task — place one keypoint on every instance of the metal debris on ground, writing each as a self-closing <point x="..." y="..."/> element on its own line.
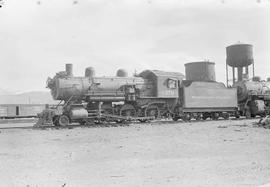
<point x="45" y="118"/>
<point x="264" y="122"/>
<point x="222" y="126"/>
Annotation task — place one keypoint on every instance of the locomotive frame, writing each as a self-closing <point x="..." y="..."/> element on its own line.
<point x="149" y="95"/>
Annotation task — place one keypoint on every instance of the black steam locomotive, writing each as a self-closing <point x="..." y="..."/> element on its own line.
<point x="156" y="94"/>
<point x="149" y="95"/>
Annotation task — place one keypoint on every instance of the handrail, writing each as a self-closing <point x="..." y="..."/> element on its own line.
<point x="66" y="103"/>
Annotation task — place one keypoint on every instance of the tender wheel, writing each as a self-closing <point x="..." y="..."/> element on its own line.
<point x="215" y="116"/>
<point x="186" y="117"/>
<point x="226" y="116"/>
<point x="205" y="116"/>
<point x="198" y="117"/>
<point x="63" y="120"/>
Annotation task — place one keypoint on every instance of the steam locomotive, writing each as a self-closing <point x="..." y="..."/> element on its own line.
<point x="156" y="94"/>
<point x="253" y="97"/>
<point x="149" y="95"/>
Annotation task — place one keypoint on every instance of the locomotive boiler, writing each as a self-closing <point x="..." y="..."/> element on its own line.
<point x="64" y="86"/>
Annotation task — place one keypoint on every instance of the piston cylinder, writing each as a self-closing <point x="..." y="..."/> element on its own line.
<point x="78" y="113"/>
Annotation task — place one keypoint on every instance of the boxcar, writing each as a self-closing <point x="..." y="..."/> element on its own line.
<point x="20" y="110"/>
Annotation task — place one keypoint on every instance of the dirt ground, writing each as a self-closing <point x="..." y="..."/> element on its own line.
<point x="224" y="153"/>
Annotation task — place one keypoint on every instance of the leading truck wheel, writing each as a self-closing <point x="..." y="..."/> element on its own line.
<point x="63" y="120"/>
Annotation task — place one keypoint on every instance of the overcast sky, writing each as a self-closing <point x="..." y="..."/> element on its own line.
<point x="37" y="38"/>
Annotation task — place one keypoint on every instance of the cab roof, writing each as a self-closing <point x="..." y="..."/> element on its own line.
<point x="157" y="73"/>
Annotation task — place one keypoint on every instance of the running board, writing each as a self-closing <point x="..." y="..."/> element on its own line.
<point x="127" y="118"/>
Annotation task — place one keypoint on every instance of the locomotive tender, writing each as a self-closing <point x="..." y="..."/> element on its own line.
<point x="148" y="95"/>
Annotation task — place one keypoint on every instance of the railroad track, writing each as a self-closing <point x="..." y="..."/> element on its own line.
<point x="107" y="124"/>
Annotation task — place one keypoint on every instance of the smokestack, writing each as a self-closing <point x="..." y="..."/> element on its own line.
<point x="69" y="70"/>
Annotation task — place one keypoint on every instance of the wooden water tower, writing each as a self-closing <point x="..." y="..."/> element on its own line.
<point x="239" y="57"/>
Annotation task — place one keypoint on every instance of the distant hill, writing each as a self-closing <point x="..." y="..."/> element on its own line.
<point x="4" y="92"/>
<point x="35" y="97"/>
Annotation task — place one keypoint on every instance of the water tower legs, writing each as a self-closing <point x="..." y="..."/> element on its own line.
<point x="233" y="75"/>
<point x="239" y="73"/>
